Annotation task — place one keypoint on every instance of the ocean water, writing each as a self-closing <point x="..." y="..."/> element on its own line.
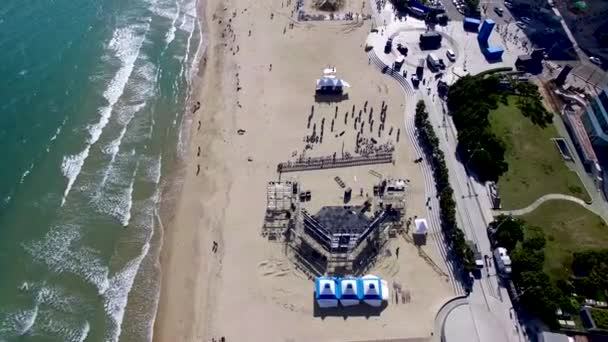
<point x="93" y="102"/>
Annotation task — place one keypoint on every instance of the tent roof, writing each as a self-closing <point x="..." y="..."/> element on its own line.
<point x="331" y="81"/>
<point x="495" y="49"/>
<point x="326" y="288"/>
<point x="421" y="226"/>
<point x="372" y="288"/>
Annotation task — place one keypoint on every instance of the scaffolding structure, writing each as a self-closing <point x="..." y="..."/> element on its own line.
<point x="281" y="204"/>
<point x="330" y="162"/>
<point x="345" y="251"/>
<point x="338" y="240"/>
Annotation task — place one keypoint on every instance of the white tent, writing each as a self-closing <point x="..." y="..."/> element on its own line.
<point x="421" y="226"/>
<point x="342" y="83"/>
<point x="332" y="82"/>
<point x="326" y="292"/>
<point x="375" y="290"/>
<point x="331" y="71"/>
<point x="351" y="292"/>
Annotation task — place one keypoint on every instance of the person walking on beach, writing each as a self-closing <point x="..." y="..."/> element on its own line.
<point x="198" y="153"/>
<point x="198" y="169"/>
<point x="397" y="253"/>
<point x="199" y="125"/>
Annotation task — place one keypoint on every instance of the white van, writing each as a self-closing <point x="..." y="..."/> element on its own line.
<point x="433" y="61"/>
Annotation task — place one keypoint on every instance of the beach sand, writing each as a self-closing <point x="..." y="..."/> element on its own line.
<point x="263" y="83"/>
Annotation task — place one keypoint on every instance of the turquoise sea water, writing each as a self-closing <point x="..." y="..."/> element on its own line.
<point x="91" y="115"/>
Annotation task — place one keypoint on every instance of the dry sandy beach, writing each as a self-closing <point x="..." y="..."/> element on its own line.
<point x="259" y="77"/>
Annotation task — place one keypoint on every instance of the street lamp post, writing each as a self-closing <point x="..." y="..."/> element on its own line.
<point x="522" y="292"/>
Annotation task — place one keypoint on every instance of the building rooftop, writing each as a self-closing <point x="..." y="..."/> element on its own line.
<point x="547" y="336"/>
<point x="493" y="49"/>
<point x="574" y="118"/>
<point x="337" y="219"/>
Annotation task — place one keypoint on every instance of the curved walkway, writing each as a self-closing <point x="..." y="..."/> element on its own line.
<point x="442" y="315"/>
<point x="543" y="199"/>
<point x="427" y="172"/>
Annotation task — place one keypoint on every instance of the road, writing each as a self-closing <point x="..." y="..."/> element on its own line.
<point x="488" y="298"/>
<point x="489" y="304"/>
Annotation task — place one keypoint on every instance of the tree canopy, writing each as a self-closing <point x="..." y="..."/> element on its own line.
<point x="447" y="205"/>
<point x="509" y="231"/>
<point x="590" y="269"/>
<point x="470" y="100"/>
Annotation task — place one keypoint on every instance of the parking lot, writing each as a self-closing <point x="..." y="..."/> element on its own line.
<point x="488" y="11"/>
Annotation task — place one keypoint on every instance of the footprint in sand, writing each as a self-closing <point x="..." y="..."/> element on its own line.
<point x="281" y="273"/>
<point x="273" y="268"/>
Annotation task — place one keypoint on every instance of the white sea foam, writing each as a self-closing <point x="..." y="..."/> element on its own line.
<point x="200" y="48"/>
<point x="70" y="167"/>
<point x="61" y="252"/>
<point x="151" y="167"/>
<point x="170" y="36"/>
<point x="54" y="297"/>
<point x="125" y="210"/>
<point x="115" y="198"/>
<point x="18" y="322"/>
<point x="115" y="299"/>
<point x="7" y="199"/>
<point x="69" y="330"/>
<point x="57" y="131"/>
<point x="125" y="44"/>
<point x="83" y="333"/>
<point x="121" y="283"/>
<point x="27" y="172"/>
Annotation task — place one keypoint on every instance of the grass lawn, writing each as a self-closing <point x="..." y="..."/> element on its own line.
<point x="568" y="228"/>
<point x="536" y="167"/>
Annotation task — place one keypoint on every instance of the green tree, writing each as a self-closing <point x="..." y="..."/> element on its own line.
<point x="535" y="243"/>
<point x="525" y="259"/>
<point x="539" y="296"/>
<point x="509" y="231"/>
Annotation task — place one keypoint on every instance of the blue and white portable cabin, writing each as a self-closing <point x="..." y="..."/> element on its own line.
<point x="351" y="291"/>
<point x="327" y="292"/>
<point x="372" y="290"/>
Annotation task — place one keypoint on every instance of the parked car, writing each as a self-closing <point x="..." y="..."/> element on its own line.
<point x="508" y="4"/>
<point x="388" y="46"/>
<point x="520" y="25"/>
<point x="498" y="11"/>
<point x="451" y="55"/>
<point x="595" y="60"/>
<point x="415" y="81"/>
<point x="526" y="20"/>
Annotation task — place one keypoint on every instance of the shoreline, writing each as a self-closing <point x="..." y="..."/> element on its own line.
<point x="172" y="197"/>
<point x="171" y="185"/>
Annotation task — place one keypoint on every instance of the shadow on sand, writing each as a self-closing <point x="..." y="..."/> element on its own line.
<point x="330" y="98"/>
<point x="361" y="310"/>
